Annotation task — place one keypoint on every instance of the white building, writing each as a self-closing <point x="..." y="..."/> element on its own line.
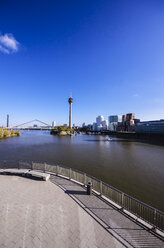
<point x="100" y="124"/>
<point x="54" y="124"/>
<point x="99" y="119"/>
<point x="105" y="125"/>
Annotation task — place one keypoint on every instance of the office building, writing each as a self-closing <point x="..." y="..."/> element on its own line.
<point x="128" y="122"/>
<point x="150" y="127"/>
<point x="54" y="124"/>
<point x="114" y="120"/>
<point x="104" y="125"/>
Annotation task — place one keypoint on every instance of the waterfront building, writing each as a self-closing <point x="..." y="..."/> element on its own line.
<point x="86" y="127"/>
<point x="105" y="125"/>
<point x="113" y="126"/>
<point x="89" y="126"/>
<point x="115" y="118"/>
<point x="99" y="127"/>
<point x="113" y="122"/>
<point x="100" y="124"/>
<point x="83" y="125"/>
<point x="54" y="124"/>
<point x="150" y="127"/>
<point x="94" y="128"/>
<point x="128" y="121"/>
<point x="99" y="119"/>
<point x="65" y="125"/>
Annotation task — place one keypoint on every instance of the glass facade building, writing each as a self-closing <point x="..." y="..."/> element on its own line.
<point x="115" y="118"/>
<point x="150" y="127"/>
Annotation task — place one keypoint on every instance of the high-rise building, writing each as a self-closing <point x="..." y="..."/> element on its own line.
<point x="115" y="118"/>
<point x="113" y="121"/>
<point x="54" y="124"/>
<point x="105" y="125"/>
<point x="129" y="121"/>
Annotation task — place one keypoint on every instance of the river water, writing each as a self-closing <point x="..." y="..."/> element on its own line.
<point x="135" y="168"/>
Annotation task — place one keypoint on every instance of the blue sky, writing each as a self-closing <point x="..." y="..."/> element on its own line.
<point x="108" y="53"/>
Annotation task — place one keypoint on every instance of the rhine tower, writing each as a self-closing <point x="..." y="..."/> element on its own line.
<point x="70" y="100"/>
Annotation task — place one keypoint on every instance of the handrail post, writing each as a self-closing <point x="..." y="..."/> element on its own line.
<point x="100" y="188"/>
<point x="32" y="166"/>
<point x="18" y="165"/>
<point x="44" y="167"/>
<point x="56" y="170"/>
<point x="155" y="213"/>
<point x="4" y="164"/>
<point x="70" y="173"/>
<point x="122" y="200"/>
<point x="84" y="179"/>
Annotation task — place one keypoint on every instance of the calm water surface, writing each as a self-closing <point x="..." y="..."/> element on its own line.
<point x="133" y="167"/>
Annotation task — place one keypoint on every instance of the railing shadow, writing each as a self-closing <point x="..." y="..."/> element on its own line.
<point x="117" y="223"/>
<point x="75" y="192"/>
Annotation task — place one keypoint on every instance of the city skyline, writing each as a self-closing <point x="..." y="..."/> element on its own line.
<point x="109" y="54"/>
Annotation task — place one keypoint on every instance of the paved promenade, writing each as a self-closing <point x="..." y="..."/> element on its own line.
<point x="59" y="214"/>
<point x="114" y="222"/>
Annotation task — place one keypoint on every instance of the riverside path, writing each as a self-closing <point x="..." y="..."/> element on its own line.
<point x="59" y="213"/>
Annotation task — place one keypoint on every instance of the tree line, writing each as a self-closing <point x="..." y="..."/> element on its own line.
<point x="5" y="133"/>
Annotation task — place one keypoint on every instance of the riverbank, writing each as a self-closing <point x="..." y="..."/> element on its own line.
<point x="153" y="138"/>
<point x="5" y="133"/>
<point x="63" y="132"/>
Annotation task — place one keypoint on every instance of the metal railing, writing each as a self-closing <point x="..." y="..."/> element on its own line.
<point x="141" y="210"/>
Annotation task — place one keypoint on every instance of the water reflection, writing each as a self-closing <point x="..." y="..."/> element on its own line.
<point x="133" y="167"/>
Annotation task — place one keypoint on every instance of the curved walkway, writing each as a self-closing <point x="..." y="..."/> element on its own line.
<point x="116" y="223"/>
<point x="40" y="214"/>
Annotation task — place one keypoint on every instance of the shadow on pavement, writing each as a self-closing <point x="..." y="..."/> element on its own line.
<point x="75" y="192"/>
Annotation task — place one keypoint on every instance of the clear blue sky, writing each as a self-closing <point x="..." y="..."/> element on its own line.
<point x="108" y="53"/>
